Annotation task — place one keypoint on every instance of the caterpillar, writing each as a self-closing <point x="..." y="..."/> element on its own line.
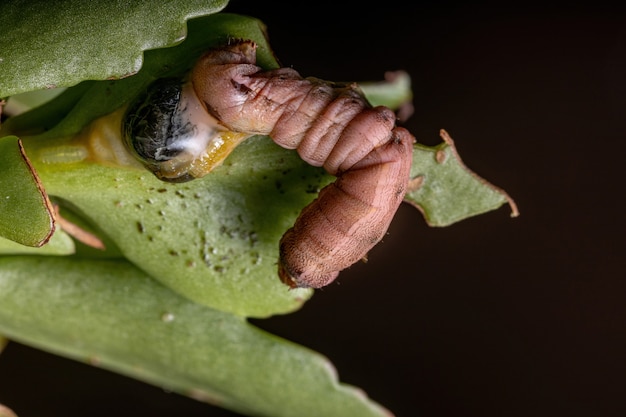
<point x="330" y="125"/>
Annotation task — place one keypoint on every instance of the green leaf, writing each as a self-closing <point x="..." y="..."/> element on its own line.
<point x="446" y="191"/>
<point x="394" y="91"/>
<point x="26" y="211"/>
<point x="215" y="239"/>
<point x="43" y="46"/>
<point x="109" y="314"/>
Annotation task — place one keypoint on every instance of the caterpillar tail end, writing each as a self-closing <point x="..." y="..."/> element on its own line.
<point x="286" y="278"/>
<point x="315" y="279"/>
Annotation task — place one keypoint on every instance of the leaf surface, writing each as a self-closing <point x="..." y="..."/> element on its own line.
<point x="45" y="46"/>
<point x="214" y="240"/>
<point x="110" y="314"/>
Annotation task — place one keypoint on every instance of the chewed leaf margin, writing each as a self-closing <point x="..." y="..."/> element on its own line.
<point x="446" y="191"/>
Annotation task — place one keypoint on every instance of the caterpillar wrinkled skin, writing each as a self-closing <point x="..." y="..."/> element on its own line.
<point x="331" y="126"/>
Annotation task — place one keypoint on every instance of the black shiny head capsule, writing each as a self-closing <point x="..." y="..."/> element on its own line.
<point x="170" y="132"/>
<point x="154" y="126"/>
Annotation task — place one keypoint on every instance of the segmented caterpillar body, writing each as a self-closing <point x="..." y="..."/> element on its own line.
<point x="330" y="125"/>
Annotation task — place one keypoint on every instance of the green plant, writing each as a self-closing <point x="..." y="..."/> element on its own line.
<point x="185" y="264"/>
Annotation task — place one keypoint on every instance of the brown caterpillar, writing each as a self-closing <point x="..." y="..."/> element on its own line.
<point x="329" y="125"/>
<point x="333" y="127"/>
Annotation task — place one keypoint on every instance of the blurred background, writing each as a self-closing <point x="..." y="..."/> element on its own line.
<point x="489" y="317"/>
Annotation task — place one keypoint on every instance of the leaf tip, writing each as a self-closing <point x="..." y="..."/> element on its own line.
<point x="445" y="136"/>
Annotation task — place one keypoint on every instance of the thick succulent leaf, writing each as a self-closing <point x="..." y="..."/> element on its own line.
<point x="446" y="191"/>
<point x="110" y="314"/>
<point x="26" y="211"/>
<point x="44" y="46"/>
<point x="215" y="239"/>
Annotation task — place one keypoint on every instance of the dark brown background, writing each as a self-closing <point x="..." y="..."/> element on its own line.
<point x="490" y="317"/>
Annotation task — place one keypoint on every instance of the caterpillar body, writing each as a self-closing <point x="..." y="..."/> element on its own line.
<point x="331" y="126"/>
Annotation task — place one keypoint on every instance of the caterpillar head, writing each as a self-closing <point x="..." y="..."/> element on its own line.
<point x="170" y="132"/>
